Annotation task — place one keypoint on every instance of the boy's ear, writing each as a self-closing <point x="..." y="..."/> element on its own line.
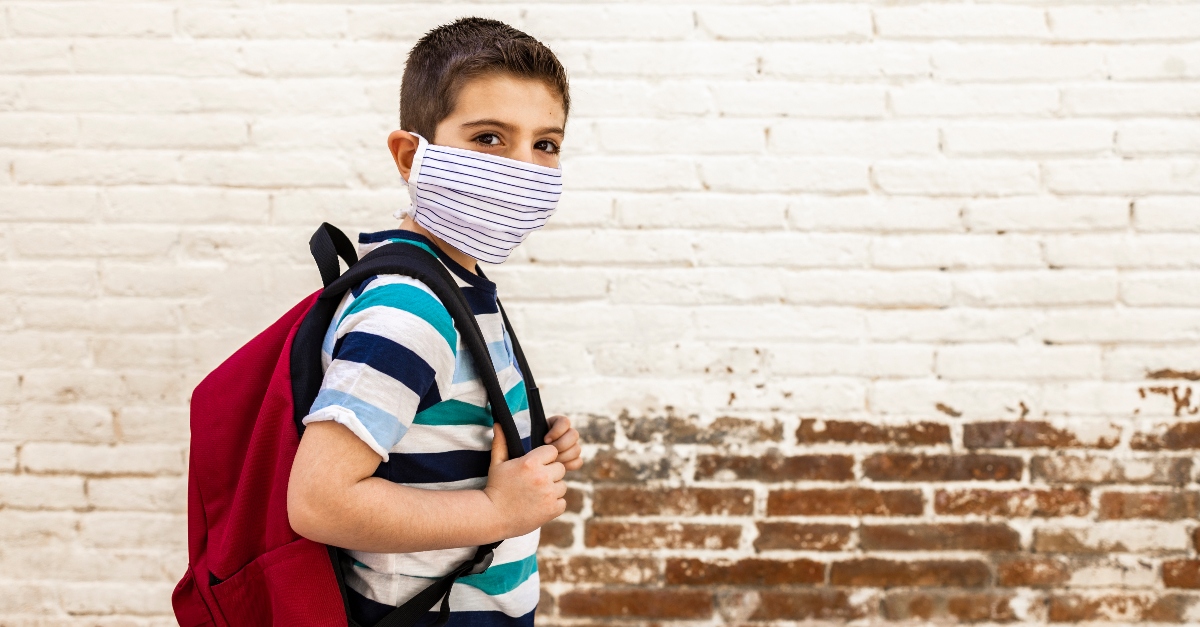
<point x="403" y="145"/>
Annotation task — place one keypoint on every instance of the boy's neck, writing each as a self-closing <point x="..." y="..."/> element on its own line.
<point x="459" y="257"/>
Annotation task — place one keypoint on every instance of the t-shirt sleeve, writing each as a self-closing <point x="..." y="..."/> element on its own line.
<point x="392" y="355"/>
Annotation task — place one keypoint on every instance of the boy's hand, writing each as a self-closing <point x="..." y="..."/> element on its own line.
<point x="526" y="492"/>
<point x="565" y="439"/>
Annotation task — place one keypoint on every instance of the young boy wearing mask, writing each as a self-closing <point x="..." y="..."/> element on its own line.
<point x="482" y="112"/>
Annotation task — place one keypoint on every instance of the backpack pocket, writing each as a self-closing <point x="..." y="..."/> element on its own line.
<point x="190" y="608"/>
<point x="291" y="585"/>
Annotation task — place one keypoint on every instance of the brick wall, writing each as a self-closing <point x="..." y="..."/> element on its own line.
<point x="869" y="311"/>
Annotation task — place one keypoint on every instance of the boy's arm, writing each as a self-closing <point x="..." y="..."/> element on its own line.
<point x="333" y="499"/>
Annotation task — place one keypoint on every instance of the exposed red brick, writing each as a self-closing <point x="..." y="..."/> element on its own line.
<point x="1032" y="572"/>
<point x="880" y="573"/>
<point x="590" y="569"/>
<point x="1125" y="608"/>
<point x="1028" y="434"/>
<point x="1157" y="505"/>
<point x="629" y="501"/>
<point x="813" y="431"/>
<point x="907" y="467"/>
<point x="775" y="467"/>
<point x="660" y="535"/>
<point x="943" y="537"/>
<point x="1178" y="436"/>
<point x="801" y="536"/>
<point x="845" y="502"/>
<point x="805" y="604"/>
<point x="746" y="572"/>
<point x="970" y="607"/>
<point x="557" y="533"/>
<point x="974" y="608"/>
<point x="725" y="430"/>
<point x="574" y="498"/>
<point x="661" y="603"/>
<point x="1181" y="574"/>
<point x="623" y="467"/>
<point x="1013" y="503"/>
<point x="1171" y="373"/>
<point x="595" y="429"/>
<point x="1095" y="469"/>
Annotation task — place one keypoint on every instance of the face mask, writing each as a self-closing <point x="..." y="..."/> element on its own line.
<point x="481" y="204"/>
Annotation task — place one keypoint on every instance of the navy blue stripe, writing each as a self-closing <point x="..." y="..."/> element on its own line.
<point x="437" y="467"/>
<point x="431" y="398"/>
<point x="434" y="467"/>
<point x="368" y="612"/>
<point x="388" y="357"/>
<point x="481" y="301"/>
<point x="356" y="292"/>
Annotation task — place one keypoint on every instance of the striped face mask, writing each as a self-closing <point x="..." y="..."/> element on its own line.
<point x="481" y="204"/>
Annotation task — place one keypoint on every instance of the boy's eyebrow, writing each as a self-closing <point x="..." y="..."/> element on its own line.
<point x="509" y="127"/>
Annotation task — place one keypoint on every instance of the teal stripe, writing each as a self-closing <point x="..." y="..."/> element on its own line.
<point x="516" y="398"/>
<point x="451" y="412"/>
<point x="413" y="300"/>
<point x="502" y="578"/>
<point x="417" y="244"/>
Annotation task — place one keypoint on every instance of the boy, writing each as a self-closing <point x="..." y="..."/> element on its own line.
<point x="482" y="108"/>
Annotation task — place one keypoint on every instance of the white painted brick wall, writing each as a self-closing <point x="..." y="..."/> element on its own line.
<point x="859" y="210"/>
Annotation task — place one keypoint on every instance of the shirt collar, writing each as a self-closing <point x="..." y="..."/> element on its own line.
<point x="370" y="241"/>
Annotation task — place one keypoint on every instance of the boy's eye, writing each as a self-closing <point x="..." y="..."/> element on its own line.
<point x="546" y="146"/>
<point x="488" y="139"/>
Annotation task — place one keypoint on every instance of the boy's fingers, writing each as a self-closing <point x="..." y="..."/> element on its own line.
<point x="542" y="455"/>
<point x="558" y="426"/>
<point x="499" y="446"/>
<point x="571" y="453"/>
<point x="569" y="439"/>
<point x="557" y="471"/>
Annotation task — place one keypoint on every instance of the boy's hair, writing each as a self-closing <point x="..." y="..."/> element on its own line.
<point x="450" y="55"/>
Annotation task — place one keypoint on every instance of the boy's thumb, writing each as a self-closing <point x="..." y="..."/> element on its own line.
<point x="499" y="445"/>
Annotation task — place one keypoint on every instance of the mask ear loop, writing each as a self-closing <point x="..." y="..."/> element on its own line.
<point x="411" y="209"/>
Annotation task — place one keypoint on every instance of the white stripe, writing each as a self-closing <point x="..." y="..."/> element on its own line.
<point x="441" y="438"/>
<point x="372" y="386"/>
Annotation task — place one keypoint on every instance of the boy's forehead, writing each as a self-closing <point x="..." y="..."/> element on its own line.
<point x="510" y="100"/>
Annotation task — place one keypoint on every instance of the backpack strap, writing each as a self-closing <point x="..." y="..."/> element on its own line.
<point x="326" y="245"/>
<point x="538" y="427"/>
<point x="416" y="262"/>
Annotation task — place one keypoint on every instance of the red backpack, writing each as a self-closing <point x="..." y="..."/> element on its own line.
<point x="246" y="566"/>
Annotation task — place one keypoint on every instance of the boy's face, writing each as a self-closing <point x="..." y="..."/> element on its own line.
<point x="499" y="114"/>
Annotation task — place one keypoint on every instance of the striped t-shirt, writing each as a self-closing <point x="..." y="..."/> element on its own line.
<point x="399" y="377"/>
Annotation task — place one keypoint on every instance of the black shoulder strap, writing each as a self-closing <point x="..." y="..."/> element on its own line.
<point x="538" y="427"/>
<point x="413" y="261"/>
<point x="326" y="245"/>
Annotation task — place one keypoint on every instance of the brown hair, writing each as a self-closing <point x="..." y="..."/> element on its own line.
<point x="450" y="55"/>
